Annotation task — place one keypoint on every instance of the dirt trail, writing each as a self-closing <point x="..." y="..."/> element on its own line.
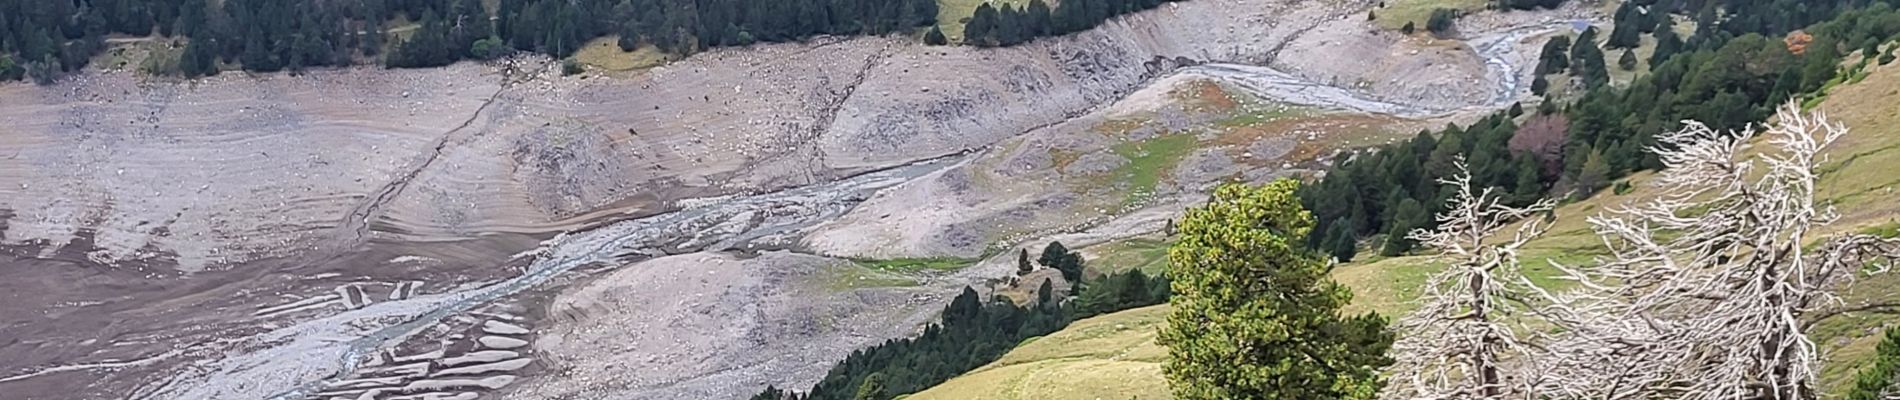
<point x="358" y="221"/>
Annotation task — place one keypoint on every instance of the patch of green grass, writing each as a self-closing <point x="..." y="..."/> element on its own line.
<point x="1888" y="230"/>
<point x="1150" y="255"/>
<point x="1387" y="286"/>
<point x="908" y="265"/>
<point x="1148" y="161"/>
<point x="1398" y="12"/>
<point x="1112" y="356"/>
<point x="1260" y="113"/>
<point x="951" y="13"/>
<point x="849" y="276"/>
<point x="604" y="53"/>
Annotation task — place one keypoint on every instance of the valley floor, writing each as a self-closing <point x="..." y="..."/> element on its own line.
<point x="699" y="229"/>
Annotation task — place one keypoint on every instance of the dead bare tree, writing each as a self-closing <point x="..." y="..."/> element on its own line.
<point x="1709" y="287"/>
<point x="1461" y="342"/>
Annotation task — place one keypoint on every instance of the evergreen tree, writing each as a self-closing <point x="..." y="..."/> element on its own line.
<point x="1529" y="186"/>
<point x="1595" y="174"/>
<point x="935" y="37"/>
<point x="770" y="393"/>
<point x="1555" y="57"/>
<point x="1254" y="314"/>
<point x="9" y="70"/>
<point x="1059" y="257"/>
<point x="1410" y="215"/>
<point x="980" y="30"/>
<point x="1586" y="61"/>
<point x="1409" y="28"/>
<point x="1667" y="43"/>
<point x="1045" y="294"/>
<point x="1441" y="21"/>
<point x="1880" y="380"/>
<point x="1627" y="33"/>
<point x="1340" y="241"/>
<point x="1023" y="267"/>
<point x="1628" y="60"/>
<point x="872" y="388"/>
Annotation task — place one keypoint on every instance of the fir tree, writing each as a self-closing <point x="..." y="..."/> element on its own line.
<point x="1023" y="267"/>
<point x="935" y="37"/>
<point x="1254" y="314"/>
<point x="1340" y="241"/>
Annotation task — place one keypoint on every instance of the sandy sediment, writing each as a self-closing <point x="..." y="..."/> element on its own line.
<point x="710" y="325"/>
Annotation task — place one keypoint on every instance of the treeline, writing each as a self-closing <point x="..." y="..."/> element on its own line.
<point x="1008" y="25"/>
<point x="1529" y="4"/>
<point x="974" y="332"/>
<point x="41" y="39"/>
<point x="1732" y="72"/>
<point x="1394" y="189"/>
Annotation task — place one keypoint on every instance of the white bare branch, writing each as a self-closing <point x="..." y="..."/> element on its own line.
<point x="1707" y="288"/>
<point x="1462" y="343"/>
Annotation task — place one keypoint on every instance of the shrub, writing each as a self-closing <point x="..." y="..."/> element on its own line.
<point x="935" y="37"/>
<point x="490" y="48"/>
<point x="570" y="67"/>
<point x="1441" y="21"/>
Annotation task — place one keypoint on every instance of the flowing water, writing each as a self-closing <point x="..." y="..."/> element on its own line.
<point x="1500" y="51"/>
<point x="315" y="348"/>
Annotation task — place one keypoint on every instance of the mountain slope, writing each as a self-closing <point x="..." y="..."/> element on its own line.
<point x="1857" y="178"/>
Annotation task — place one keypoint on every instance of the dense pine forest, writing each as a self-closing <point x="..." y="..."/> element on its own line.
<point x="974" y="332"/>
<point x="41" y="40"/>
<point x="1009" y="25"/>
<point x="1739" y="63"/>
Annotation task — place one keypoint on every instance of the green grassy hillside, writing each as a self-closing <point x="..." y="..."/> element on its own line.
<point x="1111" y="356"/>
<point x="1114" y="356"/>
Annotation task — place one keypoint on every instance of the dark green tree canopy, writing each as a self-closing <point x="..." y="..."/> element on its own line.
<point x="1254" y="314"/>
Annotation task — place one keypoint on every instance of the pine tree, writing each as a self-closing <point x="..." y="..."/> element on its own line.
<point x="1627" y="32"/>
<point x="1040" y="18"/>
<point x="1440" y="23"/>
<point x="980" y="30"/>
<point x="1409" y="28"/>
<point x="1595" y="173"/>
<point x="1410" y="215"/>
<point x="1667" y="43"/>
<point x="1628" y="60"/>
<point x="1045" y="294"/>
<point x="1254" y="314"/>
<point x="1059" y="257"/>
<point x="1878" y="381"/>
<point x="1023" y="267"/>
<point x="1131" y="289"/>
<point x="872" y="388"/>
<point x="1340" y="241"/>
<point x="1529" y="186"/>
<point x="935" y="37"/>
<point x="1555" y="57"/>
